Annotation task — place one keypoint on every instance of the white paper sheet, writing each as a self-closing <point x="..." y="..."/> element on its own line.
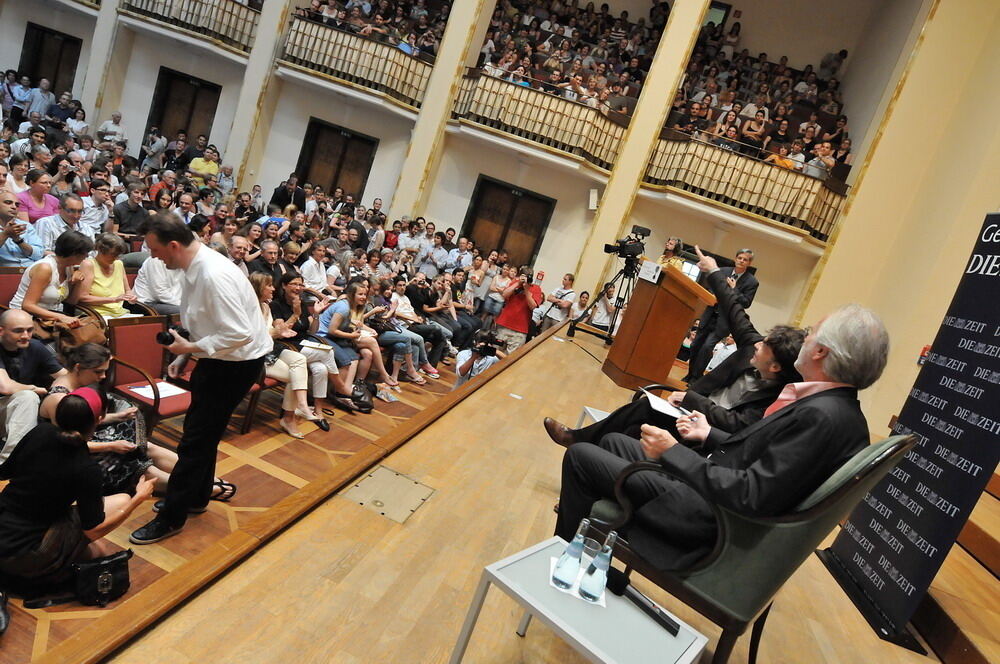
<point x="166" y="390"/>
<point x="661" y="405"/>
<point x="315" y="345"/>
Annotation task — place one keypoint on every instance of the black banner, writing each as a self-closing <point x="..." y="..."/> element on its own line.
<point x="896" y="540"/>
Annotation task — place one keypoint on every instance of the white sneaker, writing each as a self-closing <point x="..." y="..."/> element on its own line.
<point x="452" y="351"/>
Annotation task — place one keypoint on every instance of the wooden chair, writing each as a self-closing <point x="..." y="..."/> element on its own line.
<point x="735" y="584"/>
<point x="10" y="279"/>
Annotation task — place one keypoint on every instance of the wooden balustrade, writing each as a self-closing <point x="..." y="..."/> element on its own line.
<point x="541" y="117"/>
<point x="745" y="183"/>
<point x="355" y="59"/>
<point x="226" y="21"/>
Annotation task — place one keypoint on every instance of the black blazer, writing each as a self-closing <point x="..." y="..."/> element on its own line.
<point x="764" y="470"/>
<point x="745" y="291"/>
<point x="751" y="406"/>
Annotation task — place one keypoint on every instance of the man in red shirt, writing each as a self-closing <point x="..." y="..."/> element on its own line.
<point x="520" y="298"/>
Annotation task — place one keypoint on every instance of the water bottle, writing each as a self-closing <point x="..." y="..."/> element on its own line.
<point x="596" y="577"/>
<point x="568" y="565"/>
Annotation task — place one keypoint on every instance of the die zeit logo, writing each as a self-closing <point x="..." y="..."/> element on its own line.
<point x="986" y="264"/>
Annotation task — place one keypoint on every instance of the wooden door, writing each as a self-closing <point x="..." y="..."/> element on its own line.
<point x="502" y="216"/>
<point x="333" y="156"/>
<point x="50" y="54"/>
<point x="183" y="102"/>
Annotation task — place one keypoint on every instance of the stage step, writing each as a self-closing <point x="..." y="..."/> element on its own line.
<point x="960" y="616"/>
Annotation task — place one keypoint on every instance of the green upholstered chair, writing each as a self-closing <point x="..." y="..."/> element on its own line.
<point x="735" y="584"/>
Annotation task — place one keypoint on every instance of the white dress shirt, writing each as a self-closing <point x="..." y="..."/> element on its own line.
<point x="220" y="309"/>
<point x="94" y="216"/>
<point x="50" y="228"/>
<point x="313" y="274"/>
<point x="155" y="283"/>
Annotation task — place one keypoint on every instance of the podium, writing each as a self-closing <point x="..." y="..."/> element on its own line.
<point x="653" y="326"/>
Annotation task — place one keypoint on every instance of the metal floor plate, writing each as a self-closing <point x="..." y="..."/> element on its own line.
<point x="388" y="493"/>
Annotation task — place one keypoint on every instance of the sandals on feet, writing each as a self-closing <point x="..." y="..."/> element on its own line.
<point x="226" y="491"/>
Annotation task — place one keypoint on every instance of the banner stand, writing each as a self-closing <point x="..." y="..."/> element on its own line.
<point x="882" y="626"/>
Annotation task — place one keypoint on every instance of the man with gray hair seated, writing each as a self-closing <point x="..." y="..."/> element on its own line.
<point x="765" y="469"/>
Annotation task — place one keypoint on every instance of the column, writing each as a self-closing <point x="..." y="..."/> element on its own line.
<point x="101" y="48"/>
<point x="459" y="49"/>
<point x="260" y="67"/>
<point x="612" y="219"/>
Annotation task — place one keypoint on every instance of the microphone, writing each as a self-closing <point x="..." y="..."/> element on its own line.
<point x="619" y="585"/>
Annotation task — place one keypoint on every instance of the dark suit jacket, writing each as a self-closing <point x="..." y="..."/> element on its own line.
<point x="764" y="470"/>
<point x="745" y="291"/>
<point x="282" y="198"/>
<point x="276" y="270"/>
<point x="751" y="406"/>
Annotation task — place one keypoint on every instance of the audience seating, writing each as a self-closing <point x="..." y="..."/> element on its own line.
<point x="10" y="279"/>
<point x="735" y="584"/>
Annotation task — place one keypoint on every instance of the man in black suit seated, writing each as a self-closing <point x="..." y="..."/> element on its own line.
<point x="732" y="396"/>
<point x="713" y="326"/>
<point x="764" y="469"/>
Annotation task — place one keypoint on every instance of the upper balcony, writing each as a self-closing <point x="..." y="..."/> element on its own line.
<point x="231" y="24"/>
<point x="350" y="58"/>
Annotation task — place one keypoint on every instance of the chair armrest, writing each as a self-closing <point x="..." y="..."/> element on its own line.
<point x="146" y="310"/>
<point x="656" y="387"/>
<point x="149" y="379"/>
<point x="90" y="311"/>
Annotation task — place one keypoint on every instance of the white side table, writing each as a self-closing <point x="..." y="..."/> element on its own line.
<point x="593" y="414"/>
<point x="617" y="634"/>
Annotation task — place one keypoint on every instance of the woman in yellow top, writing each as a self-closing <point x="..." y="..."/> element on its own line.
<point x="104" y="286"/>
<point x="670" y="251"/>
<point x="781" y="158"/>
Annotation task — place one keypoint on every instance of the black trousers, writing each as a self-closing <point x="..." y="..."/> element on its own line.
<point x="627" y="420"/>
<point x="217" y="387"/>
<point x="589" y="473"/>
<point x="435" y="337"/>
<point x="711" y="331"/>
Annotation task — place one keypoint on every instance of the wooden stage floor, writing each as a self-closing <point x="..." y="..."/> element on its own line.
<point x="345" y="585"/>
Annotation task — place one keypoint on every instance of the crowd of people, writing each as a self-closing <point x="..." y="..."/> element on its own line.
<point x="764" y="109"/>
<point x="582" y="53"/>
<point x="414" y="26"/>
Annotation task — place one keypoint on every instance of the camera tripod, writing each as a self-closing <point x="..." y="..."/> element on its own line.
<point x="626" y="277"/>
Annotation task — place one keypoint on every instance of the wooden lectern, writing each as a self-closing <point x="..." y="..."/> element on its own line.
<point x="652" y="329"/>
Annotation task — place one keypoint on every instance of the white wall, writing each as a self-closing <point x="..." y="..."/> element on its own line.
<point x="297" y="102"/>
<point x="804" y="30"/>
<point x="882" y="53"/>
<point x="14" y="18"/>
<point x="465" y="158"/>
<point x="782" y="269"/>
<point x="149" y="52"/>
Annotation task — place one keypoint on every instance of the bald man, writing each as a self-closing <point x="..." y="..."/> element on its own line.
<point x="24" y="364"/>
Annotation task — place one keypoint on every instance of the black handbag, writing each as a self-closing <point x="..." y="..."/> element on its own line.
<point x="102" y="580"/>
<point x="361" y="397"/>
<point x="95" y="582"/>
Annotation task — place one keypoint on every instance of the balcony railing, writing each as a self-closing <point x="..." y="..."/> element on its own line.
<point x="94" y="4"/>
<point x="541" y="117"/>
<point x="370" y="63"/>
<point x="746" y="183"/>
<point x="226" y="21"/>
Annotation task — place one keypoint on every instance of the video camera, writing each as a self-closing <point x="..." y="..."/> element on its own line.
<point x="630" y="246"/>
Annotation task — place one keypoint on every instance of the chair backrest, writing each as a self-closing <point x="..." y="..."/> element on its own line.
<point x="10" y="279"/>
<point x="759" y="555"/>
<point x="130" y="275"/>
<point x="134" y="341"/>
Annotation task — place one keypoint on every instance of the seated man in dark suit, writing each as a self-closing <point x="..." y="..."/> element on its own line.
<point x="765" y="469"/>
<point x="732" y="396"/>
<point x="269" y="261"/>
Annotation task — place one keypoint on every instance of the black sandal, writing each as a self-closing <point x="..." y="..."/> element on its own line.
<point x="226" y="491"/>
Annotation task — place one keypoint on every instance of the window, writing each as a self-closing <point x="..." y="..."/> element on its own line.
<point x="184" y="102"/>
<point x="502" y="216"/>
<point x="332" y="156"/>
<point x="49" y="54"/>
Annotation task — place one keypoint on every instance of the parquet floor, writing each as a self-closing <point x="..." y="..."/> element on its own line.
<point x="267" y="465"/>
<point x="344" y="585"/>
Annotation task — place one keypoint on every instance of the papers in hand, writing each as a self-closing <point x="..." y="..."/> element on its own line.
<point x="166" y="390"/>
<point x="661" y="405"/>
<point x="315" y="345"/>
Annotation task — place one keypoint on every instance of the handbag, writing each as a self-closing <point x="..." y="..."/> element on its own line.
<point x="361" y="397"/>
<point x="89" y="332"/>
<point x="102" y="580"/>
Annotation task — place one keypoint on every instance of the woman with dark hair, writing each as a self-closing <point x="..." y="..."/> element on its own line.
<point x="163" y="202"/>
<point x="53" y="280"/>
<point x="254" y="235"/>
<point x="36" y="201"/>
<point x="64" y="177"/>
<point x="671" y="248"/>
<point x="53" y="513"/>
<point x="77" y="123"/>
<point x="17" y="177"/>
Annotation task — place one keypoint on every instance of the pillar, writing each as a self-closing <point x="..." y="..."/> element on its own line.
<point x="101" y="49"/>
<point x="460" y="46"/>
<point x="611" y="220"/>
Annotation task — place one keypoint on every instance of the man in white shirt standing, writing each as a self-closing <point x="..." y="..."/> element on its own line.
<point x="229" y="337"/>
<point x="559" y="301"/>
